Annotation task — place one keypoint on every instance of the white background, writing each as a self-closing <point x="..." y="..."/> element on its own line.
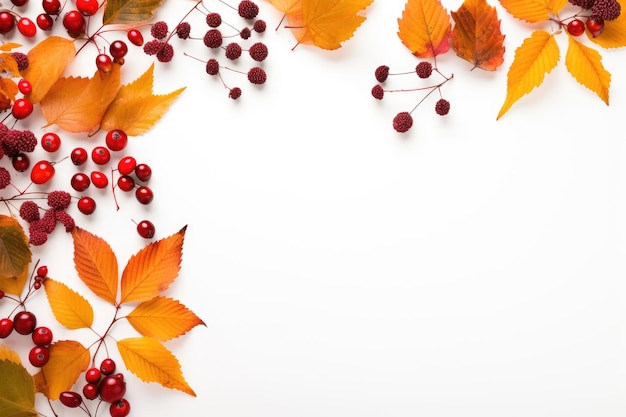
<point x="470" y="267"/>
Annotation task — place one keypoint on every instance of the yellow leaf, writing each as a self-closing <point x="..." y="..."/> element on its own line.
<point x="326" y="23"/>
<point x="287" y="6"/>
<point x="96" y="264"/>
<point x="9" y="354"/>
<point x="17" y="390"/>
<point x="9" y="45"/>
<point x="8" y="88"/>
<point x="69" y="308"/>
<point x="46" y="62"/>
<point x="585" y="65"/>
<point x="135" y="109"/>
<point x="15" y="256"/>
<point x="533" y="10"/>
<point x="68" y="359"/>
<point x="8" y="64"/>
<point x="150" y="271"/>
<point x="424" y="28"/>
<point x="614" y="33"/>
<point x="77" y="104"/>
<point x="152" y="362"/>
<point x="537" y="56"/>
<point x="163" y="318"/>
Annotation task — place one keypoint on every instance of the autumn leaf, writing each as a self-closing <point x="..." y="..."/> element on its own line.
<point x="537" y="56"/>
<point x="163" y="318"/>
<point x="8" y="88"/>
<point x="129" y="11"/>
<point x="585" y="65"/>
<point x="476" y="36"/>
<point x="68" y="359"/>
<point x="151" y="271"/>
<point x="152" y="362"/>
<point x="15" y="256"/>
<point x="533" y="10"/>
<point x="69" y="308"/>
<point x="424" y="28"/>
<point x="96" y="264"/>
<point x="8" y="64"/>
<point x="613" y="35"/>
<point x="17" y="390"/>
<point x="136" y="109"/>
<point x="77" y="104"/>
<point x="8" y="46"/>
<point x="46" y="62"/>
<point x="325" y="23"/>
<point x="9" y="354"/>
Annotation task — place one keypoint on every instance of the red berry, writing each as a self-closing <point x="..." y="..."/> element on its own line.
<point x="576" y="27"/>
<point x="27" y="27"/>
<point x="143" y="172"/>
<point x="7" y="22"/>
<point x="93" y="375"/>
<point x="22" y="108"/>
<point x="119" y="408"/>
<point x="595" y="25"/>
<point x="126" y="183"/>
<point x="6" y="327"/>
<point x="90" y="391"/>
<point x="104" y="63"/>
<point x="19" y="3"/>
<point x="127" y="165"/>
<point x="100" y="155"/>
<point x="74" y="22"/>
<point x="144" y="194"/>
<point x="80" y="181"/>
<point x="111" y="389"/>
<point x="402" y="122"/>
<point x="98" y="179"/>
<point x="78" y="156"/>
<point x="116" y="140"/>
<point x="20" y="162"/>
<point x="39" y="356"/>
<point x="42" y="172"/>
<point x="25" y="322"/>
<point x="70" y="399"/>
<point x="86" y="205"/>
<point x="135" y="37"/>
<point x="118" y="49"/>
<point x="25" y="87"/>
<point x="52" y="7"/>
<point x="50" y="142"/>
<point x="1" y="294"/>
<point x="87" y="7"/>
<point x="45" y="21"/>
<point x="107" y="366"/>
<point x="42" y="271"/>
<point x="146" y="229"/>
<point x="42" y="336"/>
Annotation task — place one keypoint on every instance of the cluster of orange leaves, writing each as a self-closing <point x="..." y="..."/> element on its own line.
<point x="143" y="280"/>
<point x="8" y="67"/>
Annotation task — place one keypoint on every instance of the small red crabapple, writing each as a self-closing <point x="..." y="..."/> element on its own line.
<point x="135" y="37"/>
<point x="78" y="156"/>
<point x="146" y="229"/>
<point x="86" y="205"/>
<point x="576" y="27"/>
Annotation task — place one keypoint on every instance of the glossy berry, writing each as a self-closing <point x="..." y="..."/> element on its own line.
<point x="24" y="322"/>
<point x="127" y="165"/>
<point x="402" y="122"/>
<point x="111" y="389"/>
<point x="6" y="327"/>
<point x="86" y="205"/>
<point x="51" y="7"/>
<point x="22" y="108"/>
<point x="99" y="179"/>
<point x="39" y="356"/>
<point x="107" y="366"/>
<point x="74" y="22"/>
<point x="126" y="183"/>
<point x="135" y="37"/>
<point x="42" y="172"/>
<point x="119" y="408"/>
<point x="7" y="22"/>
<point x="19" y="3"/>
<point x="104" y="63"/>
<point x="118" y="49"/>
<point x="595" y="25"/>
<point x="50" y="142"/>
<point x="44" y="21"/>
<point x="93" y="375"/>
<point x="26" y="27"/>
<point x="24" y="86"/>
<point x="90" y="391"/>
<point x="143" y="172"/>
<point x="20" y="162"/>
<point x="70" y="399"/>
<point x="78" y="156"/>
<point x="100" y="155"/>
<point x="42" y="336"/>
<point x="80" y="181"/>
<point x="576" y="27"/>
<point x="116" y="139"/>
<point x="42" y="271"/>
<point x="146" y="229"/>
<point x="87" y="7"/>
<point x="144" y="194"/>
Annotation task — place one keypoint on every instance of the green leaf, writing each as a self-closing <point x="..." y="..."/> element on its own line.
<point x="17" y="390"/>
<point x="129" y="11"/>
<point x="15" y="256"/>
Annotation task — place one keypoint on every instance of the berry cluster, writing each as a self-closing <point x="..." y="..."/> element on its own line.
<point x="41" y="225"/>
<point x="593" y="15"/>
<point x="403" y="121"/>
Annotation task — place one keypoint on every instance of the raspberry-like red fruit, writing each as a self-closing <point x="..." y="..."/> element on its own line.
<point x="27" y="27"/>
<point x="381" y="73"/>
<point x="257" y="75"/>
<point x="259" y="26"/>
<point x="212" y="66"/>
<point x="233" y="51"/>
<point x="65" y="219"/>
<point x="424" y="69"/>
<point x="78" y="156"/>
<point x="159" y="30"/>
<point x="146" y="229"/>
<point x="258" y="51"/>
<point x="25" y="322"/>
<point x="245" y="33"/>
<point x="111" y="389"/>
<point x="144" y="194"/>
<point x="60" y="200"/>
<point x="42" y="172"/>
<point x="153" y="47"/>
<point x="42" y="336"/>
<point x="21" y="59"/>
<point x="135" y="37"/>
<point x="234" y="93"/>
<point x="29" y="211"/>
<point x="402" y="122"/>
<point x="247" y="9"/>
<point x="378" y="92"/>
<point x="606" y="9"/>
<point x="585" y="4"/>
<point x="119" y="408"/>
<point x="22" y="108"/>
<point x="6" y="327"/>
<point x="70" y="399"/>
<point x="100" y="155"/>
<point x="442" y="107"/>
<point x="213" y="38"/>
<point x="166" y="53"/>
<point x="116" y="139"/>
<point x="183" y="30"/>
<point x="143" y="172"/>
<point x="50" y="142"/>
<point x="5" y="178"/>
<point x="86" y="205"/>
<point x="213" y="20"/>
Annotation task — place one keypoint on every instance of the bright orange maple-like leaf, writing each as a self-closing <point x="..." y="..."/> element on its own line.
<point x="68" y="359"/>
<point x="424" y="28"/>
<point x="476" y="36"/>
<point x="163" y="318"/>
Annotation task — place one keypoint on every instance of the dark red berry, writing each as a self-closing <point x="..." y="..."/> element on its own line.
<point x="258" y="51"/>
<point x="119" y="408"/>
<point x="595" y="24"/>
<point x="259" y="26"/>
<point x="146" y="229"/>
<point x="39" y="356"/>
<point x="86" y="205"/>
<point x="233" y="51"/>
<point x="20" y="162"/>
<point x="70" y="399"/>
<point x="424" y="69"/>
<point x="442" y="107"/>
<point x="78" y="156"/>
<point x="22" y="108"/>
<point x="576" y="27"/>
<point x="127" y="165"/>
<point x="107" y="366"/>
<point x="166" y="53"/>
<point x="378" y="92"/>
<point x="100" y="155"/>
<point x="42" y="271"/>
<point x="126" y="183"/>
<point x="51" y="7"/>
<point x="381" y="73"/>
<point x="213" y="19"/>
<point x="118" y="49"/>
<point x="25" y="322"/>
<point x="93" y="375"/>
<point x="257" y="75"/>
<point x="135" y="37"/>
<point x="104" y="63"/>
<point x="19" y="3"/>
<point x="212" y="67"/>
<point x="402" y="122"/>
<point x="143" y="172"/>
<point x="50" y="142"/>
<point x="183" y="30"/>
<point x="234" y="93"/>
<point x="6" y="327"/>
<point x="213" y="38"/>
<point x="80" y="181"/>
<point x="111" y="389"/>
<point x="159" y="30"/>
<point x="7" y="22"/>
<point x="144" y="194"/>
<point x="248" y="9"/>
<point x="74" y="22"/>
<point x="42" y="336"/>
<point x="90" y="391"/>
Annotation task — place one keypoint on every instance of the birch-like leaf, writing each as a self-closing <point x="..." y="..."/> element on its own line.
<point x="15" y="256"/>
<point x="614" y="33"/>
<point x="424" y="28"/>
<point x="68" y="359"/>
<point x="163" y="318"/>
<point x="129" y="11"/>
<point x="69" y="308"/>
<point x="585" y="65"/>
<point x="533" y="10"/>
<point x="17" y="390"/>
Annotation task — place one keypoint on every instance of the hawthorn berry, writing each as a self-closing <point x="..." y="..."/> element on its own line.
<point x="50" y="142"/>
<point x="24" y="86"/>
<point x="70" y="399"/>
<point x="595" y="24"/>
<point x="116" y="139"/>
<point x="125" y="183"/>
<point x="19" y="3"/>
<point x="24" y="322"/>
<point x="6" y="327"/>
<point x="39" y="356"/>
<point x="576" y="27"/>
<point x="42" y="336"/>
<point x="99" y="179"/>
<point x="143" y="172"/>
<point x="90" y="391"/>
<point x="146" y="229"/>
<point x="80" y="181"/>
<point x="44" y="21"/>
<point x="144" y="194"/>
<point x="26" y="27"/>
<point x="78" y="156"/>
<point x="118" y="49"/>
<point x="93" y="375"/>
<point x="74" y="22"/>
<point x="135" y="37"/>
<point x="127" y="165"/>
<point x="86" y="205"/>
<point x="119" y="408"/>
<point x="107" y="366"/>
<point x="111" y="389"/>
<point x="104" y="63"/>
<point x="100" y="155"/>
<point x="42" y="172"/>
<point x="22" y="108"/>
<point x="7" y="22"/>
<point x="87" y="7"/>
<point x="42" y="271"/>
<point x="51" y="7"/>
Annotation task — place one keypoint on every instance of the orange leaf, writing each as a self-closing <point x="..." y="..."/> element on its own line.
<point x="613" y="35"/>
<point x="150" y="271"/>
<point x="9" y="64"/>
<point x="8" y="88"/>
<point x="533" y="10"/>
<point x="476" y="36"/>
<point x="424" y="28"/>
<point x="136" y="109"/>
<point x="585" y="65"/>
<point x="163" y="318"/>
<point x="15" y="256"/>
<point x="96" y="264"/>
<point x="129" y="11"/>
<point x="69" y="308"/>
<point x="9" y="45"/>
<point x="68" y="359"/>
<point x="152" y="362"/>
<point x="77" y="104"/>
<point x="326" y="23"/>
<point x="46" y="62"/>
<point x="17" y="390"/>
<point x="537" y="56"/>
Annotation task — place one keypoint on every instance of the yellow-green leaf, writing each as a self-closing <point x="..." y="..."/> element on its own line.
<point x="163" y="318"/>
<point x="17" y="390"/>
<point x="533" y="10"/>
<point x="69" y="308"/>
<point x="9" y="354"/>
<point x="151" y="271"/>
<point x="536" y="57"/>
<point x="15" y="256"/>
<point x="585" y="65"/>
<point x="96" y="264"/>
<point x="68" y="359"/>
<point x="152" y="362"/>
<point x="129" y="11"/>
<point x="424" y="28"/>
<point x="614" y="33"/>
